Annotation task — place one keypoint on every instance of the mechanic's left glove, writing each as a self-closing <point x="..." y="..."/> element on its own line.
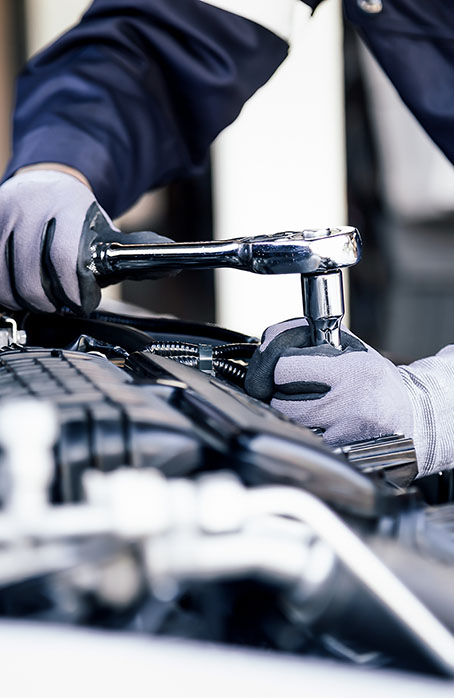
<point x="49" y="221"/>
<point x="355" y="393"/>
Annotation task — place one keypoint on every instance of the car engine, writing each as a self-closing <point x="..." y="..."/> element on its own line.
<point x="144" y="491"/>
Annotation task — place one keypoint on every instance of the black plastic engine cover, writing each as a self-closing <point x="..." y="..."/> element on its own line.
<point x="106" y="419"/>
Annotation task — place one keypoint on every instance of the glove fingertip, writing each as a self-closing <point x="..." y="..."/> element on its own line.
<point x="274" y="332"/>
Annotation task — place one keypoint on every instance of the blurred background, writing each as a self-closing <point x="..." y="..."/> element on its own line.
<point x="326" y="142"/>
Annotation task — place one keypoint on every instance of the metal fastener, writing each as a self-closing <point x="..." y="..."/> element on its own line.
<point x="372" y="7"/>
<point x="205" y="358"/>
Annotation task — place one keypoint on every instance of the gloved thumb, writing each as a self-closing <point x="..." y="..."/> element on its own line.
<point x="275" y="341"/>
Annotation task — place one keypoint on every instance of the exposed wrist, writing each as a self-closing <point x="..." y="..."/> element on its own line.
<point x="56" y="167"/>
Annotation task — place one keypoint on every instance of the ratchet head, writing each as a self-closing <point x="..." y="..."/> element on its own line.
<point x="307" y="252"/>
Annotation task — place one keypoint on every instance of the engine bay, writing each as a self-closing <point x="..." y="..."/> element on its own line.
<point x="170" y="503"/>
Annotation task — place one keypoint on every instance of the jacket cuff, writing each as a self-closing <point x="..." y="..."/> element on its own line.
<point x="69" y="146"/>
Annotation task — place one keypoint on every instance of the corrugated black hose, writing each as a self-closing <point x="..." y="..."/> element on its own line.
<point x="225" y="360"/>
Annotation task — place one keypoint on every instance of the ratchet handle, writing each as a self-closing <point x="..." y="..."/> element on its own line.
<point x="106" y="262"/>
<point x="144" y="260"/>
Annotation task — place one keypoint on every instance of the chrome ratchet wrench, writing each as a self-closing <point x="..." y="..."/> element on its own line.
<point x="318" y="255"/>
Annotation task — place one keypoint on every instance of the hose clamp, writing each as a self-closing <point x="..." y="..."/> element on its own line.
<point x="206" y="358"/>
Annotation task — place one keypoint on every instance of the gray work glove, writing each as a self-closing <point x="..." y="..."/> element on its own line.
<point x="48" y="222"/>
<point x="355" y="393"/>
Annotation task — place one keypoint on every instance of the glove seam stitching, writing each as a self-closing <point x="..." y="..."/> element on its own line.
<point x="429" y="427"/>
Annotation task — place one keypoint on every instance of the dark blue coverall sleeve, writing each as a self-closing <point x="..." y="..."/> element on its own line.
<point x="413" y="40"/>
<point x="134" y="95"/>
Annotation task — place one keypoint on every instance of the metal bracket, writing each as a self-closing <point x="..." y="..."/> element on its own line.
<point x="11" y="335"/>
<point x="394" y="456"/>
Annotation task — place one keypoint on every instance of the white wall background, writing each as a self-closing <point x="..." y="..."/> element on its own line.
<point x="47" y="19"/>
<point x="281" y="166"/>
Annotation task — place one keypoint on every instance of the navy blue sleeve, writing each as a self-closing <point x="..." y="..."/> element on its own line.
<point x="413" y="40"/>
<point x="134" y="95"/>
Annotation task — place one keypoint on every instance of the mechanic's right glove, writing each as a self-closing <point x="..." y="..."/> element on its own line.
<point x="48" y="222"/>
<point x="355" y="393"/>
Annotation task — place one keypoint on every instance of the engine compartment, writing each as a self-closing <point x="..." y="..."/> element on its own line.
<point x="374" y="586"/>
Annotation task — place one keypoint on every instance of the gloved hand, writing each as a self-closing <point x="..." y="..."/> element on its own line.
<point x="48" y="222"/>
<point x="355" y="393"/>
